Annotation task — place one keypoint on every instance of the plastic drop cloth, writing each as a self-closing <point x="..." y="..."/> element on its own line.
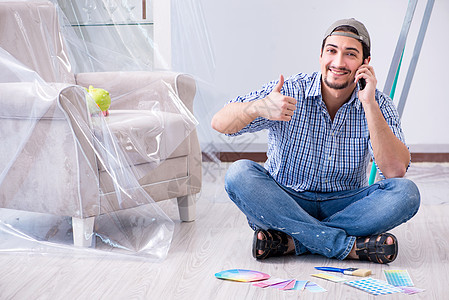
<point x="61" y="160"/>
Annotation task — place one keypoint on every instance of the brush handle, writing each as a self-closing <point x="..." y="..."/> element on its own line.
<point x="330" y="269"/>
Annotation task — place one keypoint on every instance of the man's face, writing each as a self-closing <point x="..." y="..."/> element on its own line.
<point x="340" y="59"/>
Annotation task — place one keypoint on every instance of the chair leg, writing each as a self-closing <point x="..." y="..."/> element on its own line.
<point x="83" y="231"/>
<point x="187" y="208"/>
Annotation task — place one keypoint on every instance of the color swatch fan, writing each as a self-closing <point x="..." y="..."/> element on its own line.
<point x="242" y="275"/>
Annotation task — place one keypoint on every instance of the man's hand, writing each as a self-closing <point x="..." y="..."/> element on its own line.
<point x="276" y="106"/>
<point x="367" y="95"/>
<point x="235" y="116"/>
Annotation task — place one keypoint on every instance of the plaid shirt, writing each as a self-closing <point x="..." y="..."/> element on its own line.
<point x="311" y="152"/>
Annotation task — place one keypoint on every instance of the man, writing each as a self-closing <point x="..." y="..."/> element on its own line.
<point x="312" y="196"/>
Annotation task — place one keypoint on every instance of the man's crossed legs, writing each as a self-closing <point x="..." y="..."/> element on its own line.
<point x="320" y="223"/>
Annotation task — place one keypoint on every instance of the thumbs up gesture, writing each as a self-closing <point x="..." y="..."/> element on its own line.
<point x="276" y="106"/>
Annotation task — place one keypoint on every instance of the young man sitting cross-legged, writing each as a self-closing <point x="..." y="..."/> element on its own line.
<point x="312" y="196"/>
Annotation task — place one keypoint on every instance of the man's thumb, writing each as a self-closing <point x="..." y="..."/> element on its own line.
<point x="278" y="86"/>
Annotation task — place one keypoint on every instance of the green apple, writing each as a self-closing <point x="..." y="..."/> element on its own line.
<point x="101" y="97"/>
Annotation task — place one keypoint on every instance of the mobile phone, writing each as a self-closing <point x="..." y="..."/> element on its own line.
<point x="362" y="83"/>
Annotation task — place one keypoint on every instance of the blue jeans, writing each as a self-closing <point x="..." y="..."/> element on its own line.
<point x="321" y="223"/>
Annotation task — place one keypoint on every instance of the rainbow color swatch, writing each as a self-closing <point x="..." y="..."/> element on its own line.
<point x="242" y="275"/>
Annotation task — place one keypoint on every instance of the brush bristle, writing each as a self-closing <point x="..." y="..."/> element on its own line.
<point x="361" y="272"/>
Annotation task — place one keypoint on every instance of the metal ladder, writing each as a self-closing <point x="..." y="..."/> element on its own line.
<point x="395" y="66"/>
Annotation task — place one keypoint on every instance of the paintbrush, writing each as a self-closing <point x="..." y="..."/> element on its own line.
<point x="348" y="271"/>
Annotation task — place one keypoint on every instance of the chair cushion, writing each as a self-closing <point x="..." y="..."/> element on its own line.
<point x="149" y="136"/>
<point x="167" y="180"/>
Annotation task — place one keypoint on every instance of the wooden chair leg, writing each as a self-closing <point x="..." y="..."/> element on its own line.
<point x="187" y="208"/>
<point x="83" y="231"/>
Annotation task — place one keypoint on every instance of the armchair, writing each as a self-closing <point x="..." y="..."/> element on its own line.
<point x="58" y="171"/>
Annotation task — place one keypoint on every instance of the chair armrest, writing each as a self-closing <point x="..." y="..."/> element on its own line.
<point x="35" y="101"/>
<point x="42" y="142"/>
<point x="30" y="100"/>
<point x="130" y="90"/>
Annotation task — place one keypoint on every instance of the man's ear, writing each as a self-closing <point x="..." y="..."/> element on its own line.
<point x="367" y="60"/>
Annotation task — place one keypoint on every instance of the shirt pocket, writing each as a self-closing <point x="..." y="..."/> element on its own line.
<point x="352" y="157"/>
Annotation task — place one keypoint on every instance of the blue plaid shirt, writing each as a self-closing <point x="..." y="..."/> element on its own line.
<point x="311" y="152"/>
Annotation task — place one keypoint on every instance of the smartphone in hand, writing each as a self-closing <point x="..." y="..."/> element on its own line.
<point x="362" y="83"/>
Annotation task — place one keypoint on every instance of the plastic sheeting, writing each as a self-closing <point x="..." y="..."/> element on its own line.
<point x="107" y="35"/>
<point x="62" y="163"/>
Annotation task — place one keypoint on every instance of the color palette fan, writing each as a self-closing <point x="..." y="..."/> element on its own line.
<point x="242" y="275"/>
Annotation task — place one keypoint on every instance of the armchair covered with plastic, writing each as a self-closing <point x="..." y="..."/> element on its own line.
<point x="62" y="160"/>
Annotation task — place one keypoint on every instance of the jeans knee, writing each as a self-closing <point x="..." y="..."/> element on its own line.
<point x="410" y="196"/>
<point x="237" y="173"/>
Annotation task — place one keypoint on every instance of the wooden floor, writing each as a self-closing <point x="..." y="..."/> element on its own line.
<point x="220" y="239"/>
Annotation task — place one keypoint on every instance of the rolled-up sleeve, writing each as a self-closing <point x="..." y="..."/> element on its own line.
<point x="258" y="123"/>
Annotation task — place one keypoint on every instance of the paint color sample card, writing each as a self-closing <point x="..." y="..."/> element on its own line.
<point x="410" y="290"/>
<point x="315" y="288"/>
<point x="329" y="277"/>
<point x="290" y="285"/>
<point x="398" y="277"/>
<point x="300" y="285"/>
<point x="242" y="275"/>
<point x="374" y="286"/>
<point x="281" y="285"/>
<point x="270" y="282"/>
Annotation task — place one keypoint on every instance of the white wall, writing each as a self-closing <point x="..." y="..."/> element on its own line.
<point x="425" y="118"/>
<point x="248" y="43"/>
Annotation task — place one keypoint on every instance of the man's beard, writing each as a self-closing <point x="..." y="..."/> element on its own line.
<point x="336" y="86"/>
